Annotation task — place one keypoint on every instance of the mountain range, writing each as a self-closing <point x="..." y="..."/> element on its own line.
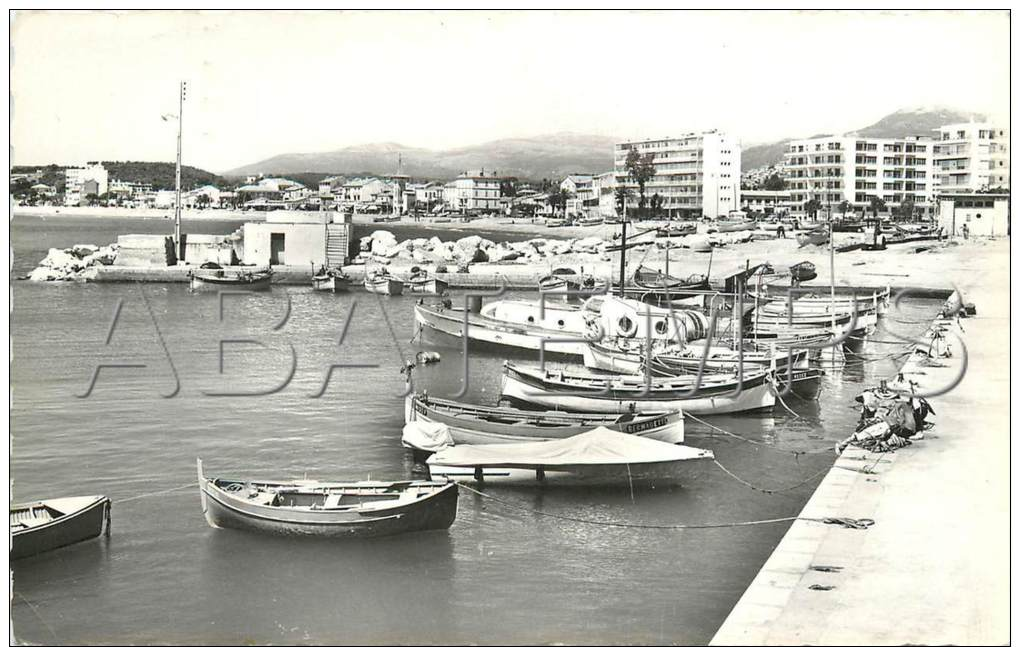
<point x="548" y="156"/>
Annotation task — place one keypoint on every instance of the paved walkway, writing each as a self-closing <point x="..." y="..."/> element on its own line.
<point x="934" y="569"/>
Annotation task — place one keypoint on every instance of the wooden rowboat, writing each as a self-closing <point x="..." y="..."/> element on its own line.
<point x="328" y="509"/>
<point x="45" y="525"/>
<point x="419" y="282"/>
<point x="381" y="282"/>
<point x="224" y="279"/>
<point x="470" y="424"/>
<point x="330" y="280"/>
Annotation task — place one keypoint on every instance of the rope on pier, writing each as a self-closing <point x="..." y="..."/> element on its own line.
<point x="846" y="522"/>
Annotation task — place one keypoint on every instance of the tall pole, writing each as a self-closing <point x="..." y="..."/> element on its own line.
<point x="623" y="252"/>
<point x="832" y="274"/>
<point x="177" y="202"/>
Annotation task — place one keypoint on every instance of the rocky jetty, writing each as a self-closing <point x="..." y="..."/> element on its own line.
<point x="382" y="247"/>
<point x="72" y="263"/>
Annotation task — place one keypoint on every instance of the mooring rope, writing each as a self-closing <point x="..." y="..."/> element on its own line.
<point x="192" y="484"/>
<point x="771" y="490"/>
<point x="846" y="522"/>
<point x="794" y="452"/>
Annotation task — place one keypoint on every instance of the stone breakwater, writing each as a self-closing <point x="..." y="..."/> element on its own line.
<point x="73" y="263"/>
<point x="382" y="247"/>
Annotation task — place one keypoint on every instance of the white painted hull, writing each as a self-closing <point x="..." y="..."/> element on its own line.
<point x="389" y="287"/>
<point x="451" y="322"/>
<point x="760" y="397"/>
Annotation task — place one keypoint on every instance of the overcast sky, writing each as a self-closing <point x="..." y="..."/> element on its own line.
<point x="93" y="85"/>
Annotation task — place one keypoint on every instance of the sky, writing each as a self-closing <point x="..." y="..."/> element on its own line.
<point x="93" y="85"/>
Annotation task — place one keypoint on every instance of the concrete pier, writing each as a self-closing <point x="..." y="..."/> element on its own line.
<point x="934" y="568"/>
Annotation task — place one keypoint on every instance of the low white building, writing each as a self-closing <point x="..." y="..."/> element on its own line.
<point x="765" y="202"/>
<point x="984" y="214"/>
<point x="603" y="188"/>
<point x="194" y="198"/>
<point x="273" y="193"/>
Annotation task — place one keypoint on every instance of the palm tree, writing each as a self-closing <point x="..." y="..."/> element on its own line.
<point x="641" y="168"/>
<point x="877" y="204"/>
<point x="812" y="206"/>
<point x="844" y="208"/>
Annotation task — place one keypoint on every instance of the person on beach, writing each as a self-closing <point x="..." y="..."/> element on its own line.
<point x="966" y="231"/>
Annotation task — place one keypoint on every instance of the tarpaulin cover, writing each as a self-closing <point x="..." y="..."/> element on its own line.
<point x="425" y="435"/>
<point x="600" y="446"/>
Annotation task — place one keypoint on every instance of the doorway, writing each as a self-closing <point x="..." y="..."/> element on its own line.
<point x="276" y="249"/>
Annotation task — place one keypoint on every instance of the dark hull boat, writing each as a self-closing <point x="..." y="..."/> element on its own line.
<point x="321" y="509"/>
<point x="653" y="280"/>
<point x="331" y="281"/>
<point x="45" y="525"/>
<point x="214" y="280"/>
<point x="477" y="424"/>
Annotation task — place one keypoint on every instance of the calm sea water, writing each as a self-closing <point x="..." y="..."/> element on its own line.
<point x="499" y="575"/>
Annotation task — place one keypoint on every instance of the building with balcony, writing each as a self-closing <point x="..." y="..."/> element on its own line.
<point x="696" y="175"/>
<point x="473" y="193"/>
<point x="855" y="169"/>
<point x="604" y="190"/>
<point x="272" y="194"/>
<point x="972" y="157"/>
<point x="765" y="202"/>
<point x="81" y="182"/>
<point x="581" y="187"/>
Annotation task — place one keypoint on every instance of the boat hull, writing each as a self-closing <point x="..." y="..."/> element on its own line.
<point x="88" y="519"/>
<point x="758" y="395"/>
<point x="522" y="426"/>
<point x="427" y="286"/>
<point x="438" y="512"/>
<point x="483" y="329"/>
<point x="210" y="284"/>
<point x="331" y="284"/>
<point x="387" y="286"/>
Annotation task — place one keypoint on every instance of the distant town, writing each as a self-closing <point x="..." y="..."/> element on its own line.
<point x="688" y="177"/>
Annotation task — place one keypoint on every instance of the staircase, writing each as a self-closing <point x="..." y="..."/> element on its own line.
<point x="337" y="240"/>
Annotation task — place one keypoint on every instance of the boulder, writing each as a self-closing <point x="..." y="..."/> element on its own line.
<point x="46" y="274"/>
<point x="81" y="251"/>
<point x="382" y="241"/>
<point x="434" y="243"/>
<point x="58" y="258"/>
<point x="589" y="245"/>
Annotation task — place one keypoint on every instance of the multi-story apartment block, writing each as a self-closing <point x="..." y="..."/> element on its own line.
<point x="581" y="187"/>
<point x="80" y="182"/>
<point x="697" y="174"/>
<point x="972" y="157"/>
<point x="855" y="169"/>
<point x="475" y="193"/>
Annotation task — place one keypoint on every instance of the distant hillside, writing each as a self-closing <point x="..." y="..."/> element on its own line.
<point x="548" y="156"/>
<point x="902" y="123"/>
<point x="161" y="174"/>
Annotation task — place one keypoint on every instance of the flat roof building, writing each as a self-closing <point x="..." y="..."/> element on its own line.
<point x="972" y="157"/>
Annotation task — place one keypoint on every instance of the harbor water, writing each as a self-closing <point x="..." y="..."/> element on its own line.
<point x="251" y="407"/>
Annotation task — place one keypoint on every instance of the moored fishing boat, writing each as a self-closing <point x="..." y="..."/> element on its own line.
<point x="327" y="509"/>
<point x="726" y="226"/>
<point x="419" y="282"/>
<point x="815" y="237"/>
<point x="634" y="357"/>
<point x="380" y="281"/>
<point x="330" y="279"/>
<point x="593" y="458"/>
<point x="586" y="391"/>
<point x="42" y="526"/>
<point x="477" y="424"/>
<point x="211" y="279"/>
<point x="565" y="280"/>
<point x="650" y="279"/>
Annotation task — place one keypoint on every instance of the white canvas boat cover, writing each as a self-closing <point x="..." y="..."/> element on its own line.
<point x="600" y="446"/>
<point x="425" y="435"/>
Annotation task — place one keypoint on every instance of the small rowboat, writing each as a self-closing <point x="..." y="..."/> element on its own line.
<point x="327" y="509"/>
<point x="223" y="279"/>
<point x="420" y="283"/>
<point x="596" y="457"/>
<point x="45" y="525"/>
<point x="471" y="424"/>
<point x="330" y="280"/>
<point x="812" y="238"/>
<point x="650" y="279"/>
<point x="727" y="226"/>
<point x="564" y="280"/>
<point x="382" y="282"/>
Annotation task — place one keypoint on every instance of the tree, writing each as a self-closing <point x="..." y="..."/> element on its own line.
<point x="906" y="209"/>
<point x="203" y="200"/>
<point x="844" y="207"/>
<point x="774" y="182"/>
<point x="812" y="206"/>
<point x="877" y="204"/>
<point x="656" y="205"/>
<point x="508" y="187"/>
<point x="622" y="194"/>
<point x="641" y="169"/>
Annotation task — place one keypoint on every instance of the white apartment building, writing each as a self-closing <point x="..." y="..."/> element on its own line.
<point x="697" y="174"/>
<point x="603" y="188"/>
<point x="581" y="188"/>
<point x="473" y="193"/>
<point x="854" y="169"/>
<point x="972" y="157"/>
<point x="93" y="174"/>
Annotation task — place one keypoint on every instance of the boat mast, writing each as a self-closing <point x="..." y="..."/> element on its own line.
<point x="623" y="251"/>
<point x="177" y="202"/>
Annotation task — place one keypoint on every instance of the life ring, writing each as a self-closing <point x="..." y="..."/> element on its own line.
<point x="626" y="327"/>
<point x="661" y="327"/>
